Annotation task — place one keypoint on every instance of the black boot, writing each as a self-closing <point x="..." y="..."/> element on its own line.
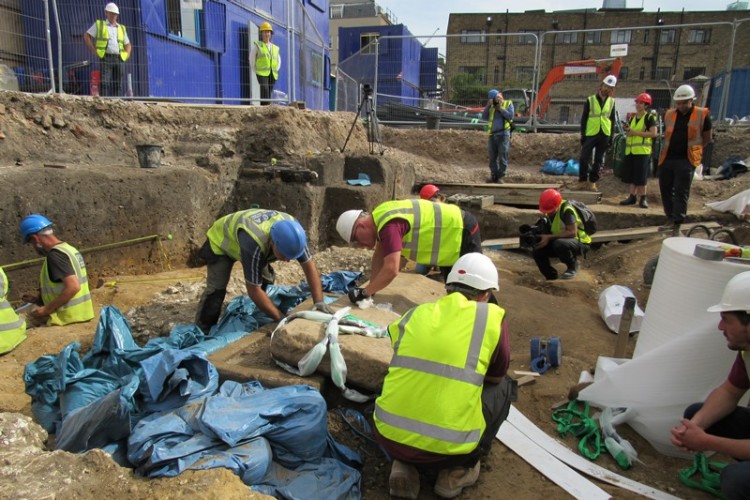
<point x="630" y="200"/>
<point x="643" y="203"/>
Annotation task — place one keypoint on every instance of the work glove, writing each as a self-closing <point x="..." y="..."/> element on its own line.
<point x="356" y="294"/>
<point x="583" y="139"/>
<point x="322" y="307"/>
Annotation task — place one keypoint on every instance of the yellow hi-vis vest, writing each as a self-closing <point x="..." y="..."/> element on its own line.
<point x="432" y="394"/>
<point x="636" y="145"/>
<point x="12" y="328"/>
<point x="694" y="134"/>
<point x="266" y="62"/>
<point x="79" y="308"/>
<point x="557" y="225"/>
<point x="435" y="229"/>
<point x="505" y="105"/>
<point x="256" y="222"/>
<point x="599" y="117"/>
<point x="102" y="39"/>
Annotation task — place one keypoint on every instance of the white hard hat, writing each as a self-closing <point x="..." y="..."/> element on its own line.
<point x="345" y="224"/>
<point x="684" y="92"/>
<point x="111" y="7"/>
<point x="474" y="270"/>
<point x="736" y="296"/>
<point x="610" y="80"/>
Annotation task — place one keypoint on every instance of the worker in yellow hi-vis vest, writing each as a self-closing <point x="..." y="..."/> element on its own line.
<point x="109" y="41"/>
<point x="265" y="62"/>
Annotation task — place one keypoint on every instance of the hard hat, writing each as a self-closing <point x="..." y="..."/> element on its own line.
<point x="610" y="81"/>
<point x="492" y="93"/>
<point x="736" y="296"/>
<point x="345" y="224"/>
<point x="111" y="7"/>
<point x="266" y="26"/>
<point x="32" y="224"/>
<point x="684" y="92"/>
<point x="289" y="238"/>
<point x="549" y="201"/>
<point x="428" y="191"/>
<point x="474" y="270"/>
<point x="644" y="98"/>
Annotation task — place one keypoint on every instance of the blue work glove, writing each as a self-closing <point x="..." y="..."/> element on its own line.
<point x="322" y="307"/>
<point x="356" y="294"/>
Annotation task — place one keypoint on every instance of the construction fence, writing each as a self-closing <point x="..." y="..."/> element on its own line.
<point x="186" y="50"/>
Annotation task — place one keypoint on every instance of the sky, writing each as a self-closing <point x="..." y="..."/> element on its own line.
<point x="424" y="17"/>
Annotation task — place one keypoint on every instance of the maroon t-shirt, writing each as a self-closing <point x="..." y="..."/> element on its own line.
<point x="738" y="374"/>
<point x="392" y="235"/>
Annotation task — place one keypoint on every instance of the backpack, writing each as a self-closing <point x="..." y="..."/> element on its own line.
<point x="586" y="215"/>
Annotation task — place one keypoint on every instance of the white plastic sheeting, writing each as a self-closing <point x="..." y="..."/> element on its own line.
<point x="611" y="301"/>
<point x="738" y="204"/>
<point x="680" y="355"/>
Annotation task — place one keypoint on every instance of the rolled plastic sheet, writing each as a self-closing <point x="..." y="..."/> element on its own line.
<point x="680" y="354"/>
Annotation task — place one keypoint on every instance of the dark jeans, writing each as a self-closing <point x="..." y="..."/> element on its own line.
<point x="675" y="179"/>
<point x="735" y="478"/>
<point x="266" y="88"/>
<point x="498" y="148"/>
<point x="565" y="249"/>
<point x="111" y="74"/>
<point x="597" y="145"/>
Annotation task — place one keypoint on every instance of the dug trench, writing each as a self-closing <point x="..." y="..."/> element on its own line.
<point x="73" y="159"/>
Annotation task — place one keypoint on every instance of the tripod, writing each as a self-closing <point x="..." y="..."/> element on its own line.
<point x="367" y="113"/>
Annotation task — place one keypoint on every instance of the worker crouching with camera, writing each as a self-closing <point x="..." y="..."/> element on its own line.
<point x="559" y="233"/>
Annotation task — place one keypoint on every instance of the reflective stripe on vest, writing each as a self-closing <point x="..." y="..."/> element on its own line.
<point x="694" y="134"/>
<point x="435" y="229"/>
<point x="506" y="126"/>
<point x="102" y="39"/>
<point x="636" y="145"/>
<point x="265" y="62"/>
<point x="558" y="226"/>
<point x="256" y="222"/>
<point x="79" y="308"/>
<point x="431" y="397"/>
<point x="599" y="117"/>
<point x="9" y="320"/>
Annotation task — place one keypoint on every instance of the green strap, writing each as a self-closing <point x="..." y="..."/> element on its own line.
<point x="571" y="420"/>
<point x="703" y="475"/>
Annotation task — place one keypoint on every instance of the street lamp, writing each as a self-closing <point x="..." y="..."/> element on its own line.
<point x="487" y="56"/>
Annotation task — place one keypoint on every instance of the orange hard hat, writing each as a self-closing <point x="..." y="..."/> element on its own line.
<point x="428" y="191"/>
<point x="549" y="201"/>
<point x="644" y="98"/>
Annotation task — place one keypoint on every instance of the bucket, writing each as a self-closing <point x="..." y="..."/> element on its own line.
<point x="149" y="155"/>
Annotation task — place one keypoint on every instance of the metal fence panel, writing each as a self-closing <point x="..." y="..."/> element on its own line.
<point x="24" y="46"/>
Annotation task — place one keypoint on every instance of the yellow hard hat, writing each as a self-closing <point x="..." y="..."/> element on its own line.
<point x="266" y="26"/>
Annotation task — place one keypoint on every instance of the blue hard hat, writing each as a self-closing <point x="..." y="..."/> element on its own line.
<point x="289" y="238"/>
<point x="32" y="224"/>
<point x="492" y="93"/>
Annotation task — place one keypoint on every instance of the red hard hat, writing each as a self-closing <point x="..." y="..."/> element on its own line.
<point x="428" y="191"/>
<point x="549" y="200"/>
<point x="644" y="98"/>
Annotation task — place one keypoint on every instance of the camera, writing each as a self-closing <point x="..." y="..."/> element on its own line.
<point x="530" y="236"/>
<point x="496" y="99"/>
<point x="366" y="89"/>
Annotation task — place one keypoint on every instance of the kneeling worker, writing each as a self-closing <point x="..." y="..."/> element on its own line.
<point x="63" y="281"/>
<point x="433" y="234"/>
<point x="566" y="239"/>
<point x="255" y="237"/>
<point x="12" y="328"/>
<point x="446" y="392"/>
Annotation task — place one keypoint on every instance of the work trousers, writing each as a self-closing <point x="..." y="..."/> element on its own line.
<point x="498" y="149"/>
<point x="266" y="88"/>
<point x="111" y="74"/>
<point x="596" y="145"/>
<point x="735" y="478"/>
<point x="675" y="179"/>
<point x="565" y="249"/>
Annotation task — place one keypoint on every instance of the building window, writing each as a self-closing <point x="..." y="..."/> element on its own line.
<point x="525" y="73"/>
<point x="692" y="71"/>
<point x="593" y="37"/>
<point x="666" y="37"/>
<point x="529" y="39"/>
<point x="472" y="70"/>
<point x="498" y="37"/>
<point x="566" y="38"/>
<point x="621" y="36"/>
<point x="623" y="73"/>
<point x="183" y="20"/>
<point x="336" y="12"/>
<point x="472" y="36"/>
<point x="367" y="42"/>
<point x="699" y="36"/>
<point x="496" y="74"/>
<point x="663" y="73"/>
<point x="645" y="36"/>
